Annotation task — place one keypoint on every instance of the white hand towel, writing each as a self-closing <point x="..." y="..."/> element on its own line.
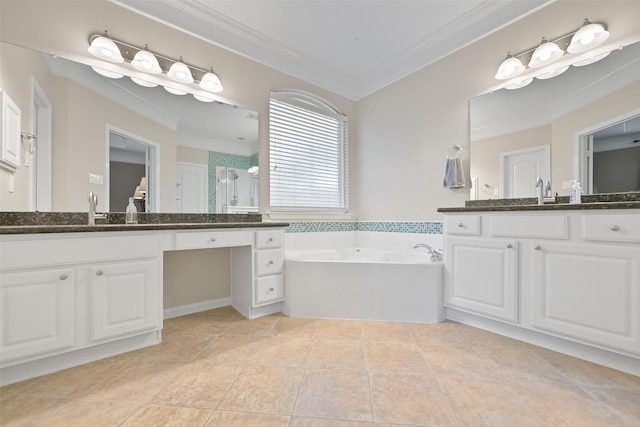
<point x="454" y="174"/>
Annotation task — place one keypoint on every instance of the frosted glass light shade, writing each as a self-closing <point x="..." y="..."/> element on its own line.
<point x="553" y="73"/>
<point x="179" y="72"/>
<point x="146" y="62"/>
<point x="104" y="48"/>
<point x="107" y="73"/>
<point x="202" y="98"/>
<point x="510" y="67"/>
<point x="519" y="84"/>
<point x="174" y="91"/>
<point x="587" y="37"/>
<point x="545" y="54"/>
<point x="211" y="82"/>
<point x="143" y="82"/>
<point x="591" y="60"/>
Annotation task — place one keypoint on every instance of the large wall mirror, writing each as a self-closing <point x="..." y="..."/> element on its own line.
<point x="583" y="125"/>
<point x="111" y="136"/>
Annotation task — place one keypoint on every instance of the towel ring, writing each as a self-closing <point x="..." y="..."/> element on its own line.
<point x="454" y="152"/>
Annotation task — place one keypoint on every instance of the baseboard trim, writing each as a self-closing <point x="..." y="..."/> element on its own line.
<point x="196" y="307"/>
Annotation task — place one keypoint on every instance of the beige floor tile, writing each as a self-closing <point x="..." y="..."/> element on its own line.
<point x="174" y="324"/>
<point x="520" y="364"/>
<point x="89" y="412"/>
<point x="202" y="384"/>
<point x="168" y="416"/>
<point x="331" y="354"/>
<point x="479" y="403"/>
<point x="206" y="325"/>
<point x="325" y="422"/>
<point x="236" y="350"/>
<point x="25" y="409"/>
<point x="245" y="419"/>
<point x="410" y="399"/>
<point x="589" y="374"/>
<point x="265" y="389"/>
<point x="625" y="403"/>
<point x="138" y="382"/>
<point x="481" y="338"/>
<point x="281" y="352"/>
<point x="438" y="334"/>
<point x="176" y="347"/>
<point x="263" y="326"/>
<point x="567" y="405"/>
<point x="459" y="361"/>
<point x="335" y="394"/>
<point x="395" y="357"/>
<point x="387" y="331"/>
<point x="347" y="330"/>
<point x="303" y="329"/>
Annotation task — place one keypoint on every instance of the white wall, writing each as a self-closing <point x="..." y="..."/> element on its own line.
<point x="405" y="129"/>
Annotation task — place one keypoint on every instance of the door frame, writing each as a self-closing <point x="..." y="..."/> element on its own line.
<point x="42" y="127"/>
<point x="205" y="169"/>
<point x="546" y="148"/>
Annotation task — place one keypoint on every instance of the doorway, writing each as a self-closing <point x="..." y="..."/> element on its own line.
<point x="192" y="190"/>
<point x="131" y="172"/>
<point x="520" y="169"/>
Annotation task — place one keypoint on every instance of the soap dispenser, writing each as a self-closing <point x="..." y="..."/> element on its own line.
<point x="131" y="214"/>
<point x="575" y="196"/>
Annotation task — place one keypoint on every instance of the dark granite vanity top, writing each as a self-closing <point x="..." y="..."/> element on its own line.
<point x="595" y="201"/>
<point x="74" y="222"/>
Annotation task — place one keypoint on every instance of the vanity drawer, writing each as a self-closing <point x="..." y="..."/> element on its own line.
<point x="532" y="226"/>
<point x="463" y="224"/>
<point x="269" y="262"/>
<point x="269" y="289"/>
<point x="612" y="228"/>
<point x="266" y="239"/>
<point x="209" y="239"/>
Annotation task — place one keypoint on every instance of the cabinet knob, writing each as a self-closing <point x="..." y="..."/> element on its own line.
<point x="99" y="273"/>
<point x="213" y="240"/>
<point x="614" y="228"/>
<point x="509" y="246"/>
<point x="63" y="276"/>
<point x="538" y="247"/>
<point x="270" y="239"/>
<point x="270" y="262"/>
<point x="271" y="289"/>
<point x="460" y="225"/>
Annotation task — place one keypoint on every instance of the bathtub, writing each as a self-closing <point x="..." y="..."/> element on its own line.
<point x="363" y="283"/>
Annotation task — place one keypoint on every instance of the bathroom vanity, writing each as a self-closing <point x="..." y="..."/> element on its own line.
<point x="562" y="276"/>
<point x="71" y="294"/>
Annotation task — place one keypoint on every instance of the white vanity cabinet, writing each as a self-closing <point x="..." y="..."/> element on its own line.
<point x="569" y="274"/>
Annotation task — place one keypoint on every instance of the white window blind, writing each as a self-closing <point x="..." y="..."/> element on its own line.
<point x="308" y="155"/>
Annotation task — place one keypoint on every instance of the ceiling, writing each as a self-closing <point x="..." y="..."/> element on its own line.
<point x="349" y="47"/>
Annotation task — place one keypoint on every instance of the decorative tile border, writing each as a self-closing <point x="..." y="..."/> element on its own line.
<point x="431" y="227"/>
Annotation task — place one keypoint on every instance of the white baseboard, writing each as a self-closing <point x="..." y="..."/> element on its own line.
<point x="196" y="307"/>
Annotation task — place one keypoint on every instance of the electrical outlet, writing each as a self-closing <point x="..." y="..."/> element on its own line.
<point x="567" y="184"/>
<point x="496" y="192"/>
<point x="95" y="179"/>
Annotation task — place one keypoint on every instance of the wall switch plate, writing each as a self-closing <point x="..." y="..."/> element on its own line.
<point x="496" y="192"/>
<point x="95" y="179"/>
<point x="12" y="182"/>
<point x="567" y="184"/>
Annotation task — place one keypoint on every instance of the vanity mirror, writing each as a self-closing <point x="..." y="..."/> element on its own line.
<point x="515" y="134"/>
<point x="93" y="132"/>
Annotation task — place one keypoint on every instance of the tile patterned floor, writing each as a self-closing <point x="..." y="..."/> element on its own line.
<point x="218" y="369"/>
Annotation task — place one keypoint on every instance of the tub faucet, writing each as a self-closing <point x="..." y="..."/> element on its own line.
<point x="436" y="255"/>
<point x="93" y="204"/>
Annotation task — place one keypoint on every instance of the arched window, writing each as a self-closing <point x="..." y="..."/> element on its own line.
<point x="308" y="146"/>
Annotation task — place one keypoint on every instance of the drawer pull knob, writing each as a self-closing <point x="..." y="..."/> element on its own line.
<point x="270" y="262"/>
<point x="538" y="247"/>
<point x="270" y="239"/>
<point x="460" y="225"/>
<point x="271" y="289"/>
<point x="509" y="246"/>
<point x="614" y="228"/>
<point x="213" y="240"/>
<point x="99" y="273"/>
<point x="64" y="276"/>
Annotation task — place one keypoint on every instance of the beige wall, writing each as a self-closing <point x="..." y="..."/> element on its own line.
<point x="193" y="155"/>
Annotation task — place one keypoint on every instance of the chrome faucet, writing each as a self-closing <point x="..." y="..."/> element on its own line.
<point x="540" y="191"/>
<point x="436" y="255"/>
<point x="544" y="192"/>
<point x="93" y="204"/>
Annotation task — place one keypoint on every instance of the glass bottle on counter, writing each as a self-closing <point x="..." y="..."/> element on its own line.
<point x="131" y="214"/>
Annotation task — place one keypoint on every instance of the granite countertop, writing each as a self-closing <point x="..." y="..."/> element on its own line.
<point x="596" y="201"/>
<point x="76" y="222"/>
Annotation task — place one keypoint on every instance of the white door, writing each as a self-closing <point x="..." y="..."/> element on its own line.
<point x="520" y="169"/>
<point x="192" y="190"/>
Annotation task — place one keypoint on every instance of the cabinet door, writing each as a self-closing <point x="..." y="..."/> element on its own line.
<point x="481" y="276"/>
<point x="37" y="312"/>
<point x="588" y="292"/>
<point x="124" y="298"/>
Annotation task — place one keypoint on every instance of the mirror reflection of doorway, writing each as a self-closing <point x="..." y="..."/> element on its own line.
<point x="130" y="173"/>
<point x="520" y="169"/>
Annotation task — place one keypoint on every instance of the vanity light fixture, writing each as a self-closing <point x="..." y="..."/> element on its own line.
<point x="132" y="60"/>
<point x="539" y="60"/>
<point x="103" y="47"/>
<point x="202" y="98"/>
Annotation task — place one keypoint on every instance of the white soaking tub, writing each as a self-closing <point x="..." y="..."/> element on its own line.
<point x="363" y="283"/>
